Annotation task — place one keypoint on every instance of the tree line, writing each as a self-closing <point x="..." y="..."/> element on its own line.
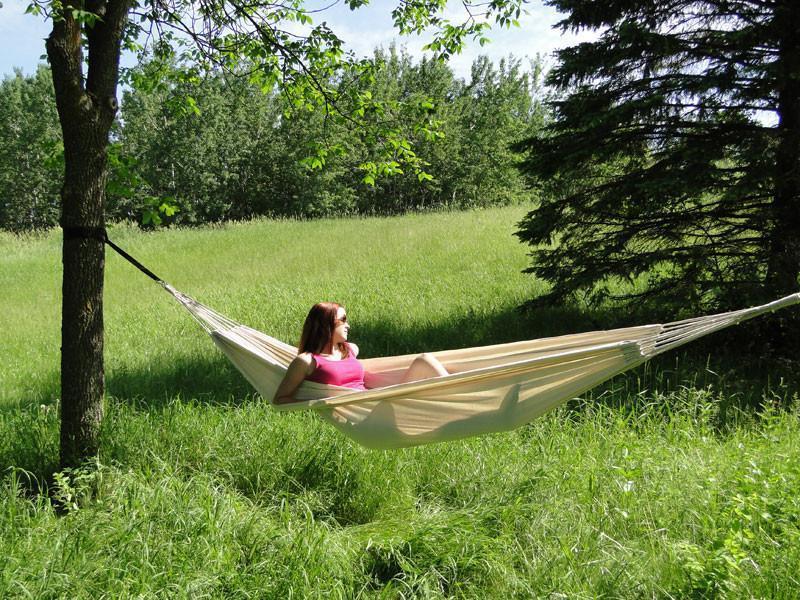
<point x="233" y="152"/>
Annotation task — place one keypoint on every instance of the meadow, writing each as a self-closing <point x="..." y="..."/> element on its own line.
<point x="660" y="484"/>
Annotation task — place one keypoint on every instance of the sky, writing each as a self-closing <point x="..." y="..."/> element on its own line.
<point x="22" y="36"/>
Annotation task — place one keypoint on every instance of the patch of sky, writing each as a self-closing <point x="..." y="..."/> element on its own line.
<point x="22" y="35"/>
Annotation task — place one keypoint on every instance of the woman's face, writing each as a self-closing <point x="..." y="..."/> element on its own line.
<point x="341" y="327"/>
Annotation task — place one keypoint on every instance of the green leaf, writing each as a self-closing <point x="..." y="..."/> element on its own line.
<point x="191" y="104"/>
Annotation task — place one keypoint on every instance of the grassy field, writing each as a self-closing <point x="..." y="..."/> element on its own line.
<point x="655" y="485"/>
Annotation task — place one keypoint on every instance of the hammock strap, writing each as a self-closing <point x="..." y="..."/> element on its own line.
<point x="100" y="234"/>
<point x="84" y="233"/>
<point x="208" y="319"/>
<point x="133" y="261"/>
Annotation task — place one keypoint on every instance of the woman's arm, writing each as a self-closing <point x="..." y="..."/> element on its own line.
<point x="300" y="368"/>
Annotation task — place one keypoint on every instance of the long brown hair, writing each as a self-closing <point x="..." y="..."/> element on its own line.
<point x="318" y="329"/>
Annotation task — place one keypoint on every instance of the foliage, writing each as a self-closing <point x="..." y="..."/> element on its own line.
<point x="279" y="44"/>
<point x="243" y="154"/>
<point x="673" y="159"/>
<point x="207" y="158"/>
<point x="235" y="152"/>
<point x="31" y="153"/>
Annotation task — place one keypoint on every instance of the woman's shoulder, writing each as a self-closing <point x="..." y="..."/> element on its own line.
<point x="305" y="359"/>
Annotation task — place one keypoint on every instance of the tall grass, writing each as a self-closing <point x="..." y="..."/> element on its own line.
<point x="656" y="485"/>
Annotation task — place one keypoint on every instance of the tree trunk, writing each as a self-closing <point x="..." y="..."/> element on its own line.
<point x="86" y="110"/>
<point x="784" y="262"/>
<point x="783" y="245"/>
<point x="82" y="374"/>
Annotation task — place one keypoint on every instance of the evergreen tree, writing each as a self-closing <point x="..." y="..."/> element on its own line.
<point x="673" y="160"/>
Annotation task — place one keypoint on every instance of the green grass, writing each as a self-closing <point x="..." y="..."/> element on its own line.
<point x="655" y="485"/>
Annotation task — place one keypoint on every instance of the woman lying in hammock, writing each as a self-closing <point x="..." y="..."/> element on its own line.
<point x="325" y="356"/>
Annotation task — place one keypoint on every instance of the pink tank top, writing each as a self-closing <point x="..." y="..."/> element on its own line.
<point x="346" y="372"/>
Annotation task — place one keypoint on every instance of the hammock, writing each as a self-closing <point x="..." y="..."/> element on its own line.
<point x="489" y="388"/>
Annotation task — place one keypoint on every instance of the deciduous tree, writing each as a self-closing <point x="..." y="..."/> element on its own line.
<point x="84" y="50"/>
<point x="30" y="154"/>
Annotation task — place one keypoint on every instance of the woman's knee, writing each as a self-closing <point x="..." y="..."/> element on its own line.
<point x="434" y="363"/>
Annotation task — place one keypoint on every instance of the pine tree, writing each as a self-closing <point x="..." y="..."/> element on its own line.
<point x="673" y="159"/>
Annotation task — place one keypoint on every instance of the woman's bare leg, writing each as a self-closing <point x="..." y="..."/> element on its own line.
<point x="424" y="366"/>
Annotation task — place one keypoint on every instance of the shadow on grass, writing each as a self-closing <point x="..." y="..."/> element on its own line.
<point x="729" y="362"/>
<point x="209" y="380"/>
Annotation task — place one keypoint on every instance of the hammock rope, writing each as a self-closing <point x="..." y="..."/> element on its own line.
<point x="488" y="389"/>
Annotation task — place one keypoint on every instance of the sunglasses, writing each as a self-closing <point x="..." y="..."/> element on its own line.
<point x="342" y="320"/>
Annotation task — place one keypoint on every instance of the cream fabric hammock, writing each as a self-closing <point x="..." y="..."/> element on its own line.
<point x="489" y="389"/>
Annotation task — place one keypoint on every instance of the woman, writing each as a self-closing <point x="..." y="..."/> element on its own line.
<point x="325" y="356"/>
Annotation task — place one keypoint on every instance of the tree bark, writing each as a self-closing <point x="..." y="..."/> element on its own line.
<point x="86" y="110"/>
<point x="784" y="262"/>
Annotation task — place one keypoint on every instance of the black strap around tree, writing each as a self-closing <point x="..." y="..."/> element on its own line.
<point x="99" y="234"/>
<point x="86" y="233"/>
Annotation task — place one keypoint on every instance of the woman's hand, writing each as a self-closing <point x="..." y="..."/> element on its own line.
<point x="300" y="368"/>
